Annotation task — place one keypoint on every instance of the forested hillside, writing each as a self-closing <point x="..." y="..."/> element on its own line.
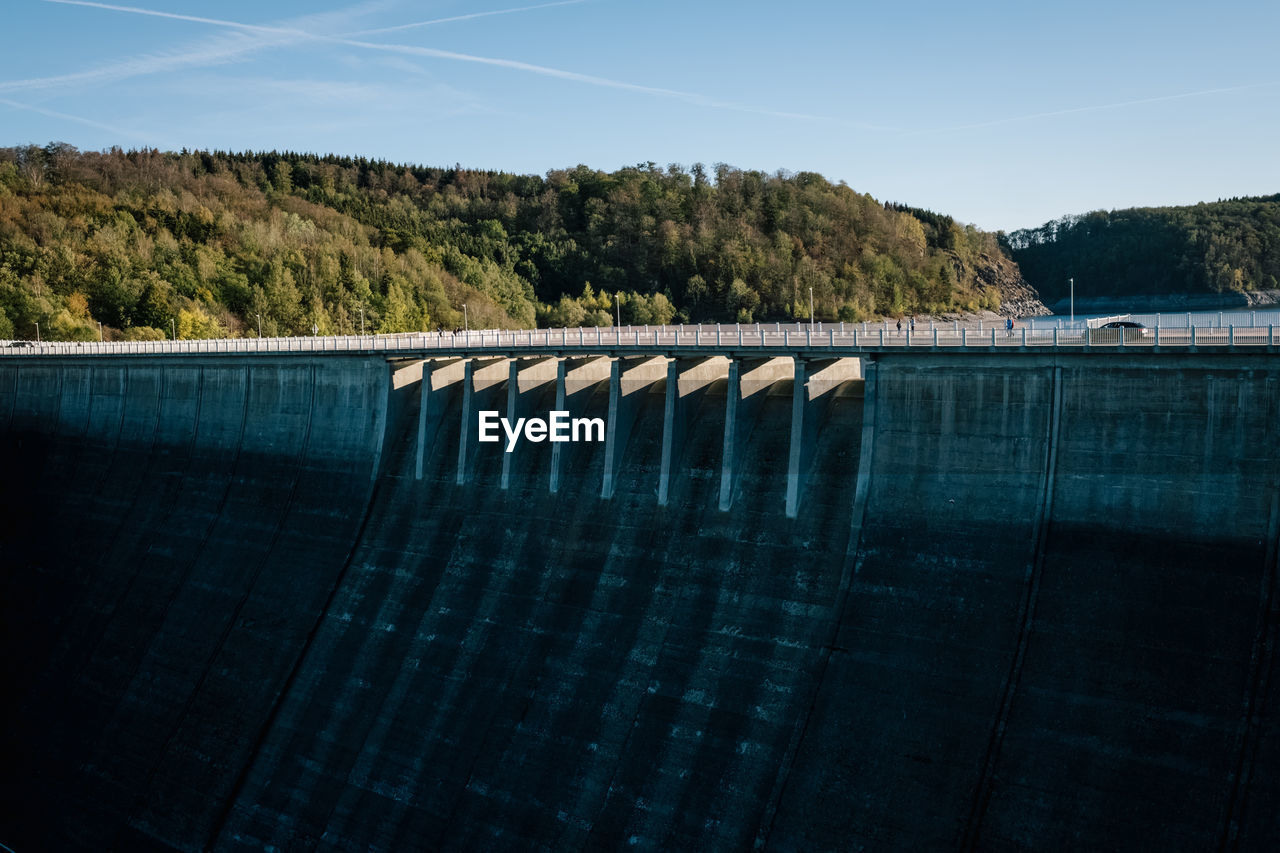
<point x="1206" y="248"/>
<point x="212" y="244"/>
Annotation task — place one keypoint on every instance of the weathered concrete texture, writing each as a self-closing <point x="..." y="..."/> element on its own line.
<point x="575" y="380"/>
<point x="1026" y="602"/>
<point x="1138" y="702"/>
<point x="913" y="685"/>
<point x="151" y="636"/>
<point x="597" y="673"/>
<point x="1074" y="653"/>
<point x="526" y="379"/>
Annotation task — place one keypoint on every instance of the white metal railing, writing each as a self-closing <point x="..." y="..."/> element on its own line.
<point x="728" y="337"/>
<point x="1254" y="319"/>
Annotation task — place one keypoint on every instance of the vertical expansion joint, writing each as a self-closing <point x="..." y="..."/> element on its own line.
<point x="155" y="430"/>
<point x="124" y="406"/>
<point x="468" y="380"/>
<point x="556" y="455"/>
<point x="612" y="434"/>
<point x="424" y="402"/>
<point x="88" y="408"/>
<point x="668" y="430"/>
<point x="869" y="407"/>
<point x="866" y="459"/>
<point x="228" y="806"/>
<point x="380" y="421"/>
<point x="513" y="402"/>
<point x="195" y="423"/>
<point x="13" y="397"/>
<point x="729" y="451"/>
<point x="1260" y="667"/>
<point x="1035" y="569"/>
<point x="798" y="393"/>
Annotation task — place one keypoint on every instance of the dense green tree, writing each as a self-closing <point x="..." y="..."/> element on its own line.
<point x="1231" y="245"/>
<point x="305" y="242"/>
<point x="195" y="323"/>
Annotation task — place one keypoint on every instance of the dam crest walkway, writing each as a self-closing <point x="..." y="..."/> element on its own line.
<point x="821" y="339"/>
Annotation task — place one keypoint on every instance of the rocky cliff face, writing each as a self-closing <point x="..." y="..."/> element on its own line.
<point x="1017" y="297"/>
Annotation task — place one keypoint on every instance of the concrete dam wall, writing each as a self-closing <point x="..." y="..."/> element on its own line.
<point x="930" y="601"/>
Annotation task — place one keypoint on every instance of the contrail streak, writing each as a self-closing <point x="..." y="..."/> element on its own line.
<point x="466" y="17"/>
<point x="590" y="79"/>
<point x="411" y="50"/>
<point x="134" y="10"/>
<point x="210" y="52"/>
<point x="79" y="119"/>
<point x="435" y="53"/>
<point x="144" y="65"/>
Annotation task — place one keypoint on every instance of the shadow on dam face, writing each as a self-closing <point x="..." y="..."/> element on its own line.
<point x="931" y="602"/>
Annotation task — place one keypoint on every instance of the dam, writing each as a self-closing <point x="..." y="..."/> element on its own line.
<point x="807" y="594"/>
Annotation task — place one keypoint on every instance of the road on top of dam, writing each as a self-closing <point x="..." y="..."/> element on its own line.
<point x="825" y="340"/>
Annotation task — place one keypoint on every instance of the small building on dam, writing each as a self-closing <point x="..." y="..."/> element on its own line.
<point x="796" y="595"/>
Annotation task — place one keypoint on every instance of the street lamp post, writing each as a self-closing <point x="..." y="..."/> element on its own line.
<point x="100" y="339"/>
<point x="617" y="305"/>
<point x="1072" y="282"/>
<point x="173" y="325"/>
<point x="811" y="308"/>
<point x="37" y="333"/>
<point x="259" y="316"/>
<point x="466" y="320"/>
<point x="362" y="321"/>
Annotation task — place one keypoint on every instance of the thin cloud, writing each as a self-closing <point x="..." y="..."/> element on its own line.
<point x="403" y="66"/>
<point x="510" y="64"/>
<point x="469" y="17"/>
<point x="78" y="119"/>
<point x="589" y="79"/>
<point x="411" y="50"/>
<point x="134" y="10"/>
<point x="218" y="50"/>
<point x="513" y="64"/>
<point x="1095" y="108"/>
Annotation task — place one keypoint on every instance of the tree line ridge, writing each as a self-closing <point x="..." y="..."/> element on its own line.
<point x="212" y="243"/>
<point x="143" y="244"/>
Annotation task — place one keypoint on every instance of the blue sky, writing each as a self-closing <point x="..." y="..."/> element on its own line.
<point x="1000" y="114"/>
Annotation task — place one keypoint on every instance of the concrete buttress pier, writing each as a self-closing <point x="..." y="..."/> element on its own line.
<point x="687" y="381"/>
<point x="629" y="379"/>
<point x="575" y="379"/>
<point x="814" y="384"/>
<point x="907" y="600"/>
<point x="526" y="377"/>
<point x="749" y="380"/>
<point x="439" y="378"/>
<point x="483" y="382"/>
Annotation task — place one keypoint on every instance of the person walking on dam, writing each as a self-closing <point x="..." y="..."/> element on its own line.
<point x="1008" y="326"/>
